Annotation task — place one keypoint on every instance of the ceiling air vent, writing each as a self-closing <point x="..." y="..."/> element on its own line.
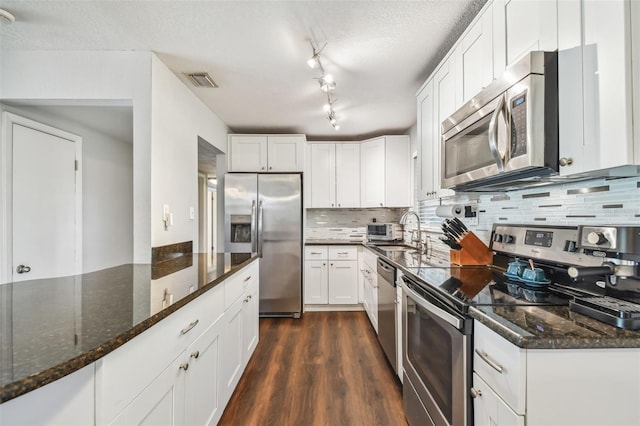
<point x="202" y="79"/>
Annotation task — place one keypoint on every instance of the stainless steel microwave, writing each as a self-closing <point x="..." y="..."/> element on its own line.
<point x="507" y="134"/>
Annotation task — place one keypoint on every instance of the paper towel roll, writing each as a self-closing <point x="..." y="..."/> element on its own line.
<point x="452" y="210"/>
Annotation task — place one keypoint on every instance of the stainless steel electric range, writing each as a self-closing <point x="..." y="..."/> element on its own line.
<point x="594" y="270"/>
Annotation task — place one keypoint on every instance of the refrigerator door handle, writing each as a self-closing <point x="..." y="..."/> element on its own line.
<point x="254" y="225"/>
<point x="260" y="229"/>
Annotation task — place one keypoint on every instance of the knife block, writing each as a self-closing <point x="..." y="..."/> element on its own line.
<point x="473" y="252"/>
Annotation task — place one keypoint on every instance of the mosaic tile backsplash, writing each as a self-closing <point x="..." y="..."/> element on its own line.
<point x="347" y="224"/>
<point x="596" y="201"/>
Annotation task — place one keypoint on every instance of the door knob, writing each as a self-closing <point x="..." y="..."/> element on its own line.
<point x="565" y="161"/>
<point x="23" y="269"/>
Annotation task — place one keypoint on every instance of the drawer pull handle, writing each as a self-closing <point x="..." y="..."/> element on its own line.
<point x="189" y="327"/>
<point x="247" y="279"/>
<point x="184" y="366"/>
<point x="195" y="354"/>
<point x="492" y="363"/>
<point x="315" y="252"/>
<point x="343" y="252"/>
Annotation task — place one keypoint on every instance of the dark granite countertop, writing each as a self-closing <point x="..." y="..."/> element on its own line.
<point x="530" y="327"/>
<point x="50" y="328"/>
<point x="552" y="327"/>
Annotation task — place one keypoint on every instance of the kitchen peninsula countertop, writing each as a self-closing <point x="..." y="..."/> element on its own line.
<point x="53" y="327"/>
<point x="333" y="242"/>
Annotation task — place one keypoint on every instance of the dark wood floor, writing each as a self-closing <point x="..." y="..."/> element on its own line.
<point x="326" y="368"/>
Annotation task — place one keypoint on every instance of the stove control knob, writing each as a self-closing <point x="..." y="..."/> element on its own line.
<point x="497" y="238"/>
<point x="596" y="238"/>
<point x="508" y="239"/>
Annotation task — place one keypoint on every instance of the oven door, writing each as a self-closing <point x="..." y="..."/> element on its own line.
<point x="437" y="360"/>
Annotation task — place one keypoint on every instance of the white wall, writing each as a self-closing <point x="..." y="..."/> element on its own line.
<point x="86" y="78"/>
<point x="107" y="190"/>
<point x="167" y="118"/>
<point x="178" y="118"/>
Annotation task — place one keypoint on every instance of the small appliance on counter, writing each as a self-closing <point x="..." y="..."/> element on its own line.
<point x="384" y="232"/>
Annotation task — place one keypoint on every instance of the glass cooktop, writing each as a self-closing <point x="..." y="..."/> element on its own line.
<point x="467" y="286"/>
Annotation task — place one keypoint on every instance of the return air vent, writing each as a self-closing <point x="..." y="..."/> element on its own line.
<point x="202" y="79"/>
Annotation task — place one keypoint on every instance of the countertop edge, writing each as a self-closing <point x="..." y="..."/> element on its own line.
<point x="45" y="377"/>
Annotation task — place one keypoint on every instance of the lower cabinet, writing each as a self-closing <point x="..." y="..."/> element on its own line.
<point x="516" y="386"/>
<point x="490" y="409"/>
<point x="370" y="287"/>
<point x="184" y="369"/>
<point x="331" y="275"/>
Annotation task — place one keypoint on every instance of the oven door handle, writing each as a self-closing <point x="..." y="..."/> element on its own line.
<point x="433" y="309"/>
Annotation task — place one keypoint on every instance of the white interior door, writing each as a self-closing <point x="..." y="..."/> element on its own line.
<point x="45" y="202"/>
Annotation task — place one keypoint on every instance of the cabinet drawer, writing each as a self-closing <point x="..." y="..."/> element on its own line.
<point x="316" y="253"/>
<point x="343" y="253"/>
<point x="493" y="353"/>
<point x="237" y="284"/>
<point x="125" y="372"/>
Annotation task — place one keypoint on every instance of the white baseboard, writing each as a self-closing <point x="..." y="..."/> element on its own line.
<point x="333" y="308"/>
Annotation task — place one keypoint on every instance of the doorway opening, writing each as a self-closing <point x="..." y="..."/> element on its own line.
<point x="208" y="160"/>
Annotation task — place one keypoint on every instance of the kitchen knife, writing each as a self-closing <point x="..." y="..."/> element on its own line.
<point x="454" y="235"/>
<point x="460" y="224"/>
<point x="457" y="229"/>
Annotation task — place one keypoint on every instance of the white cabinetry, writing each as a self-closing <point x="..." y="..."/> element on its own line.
<point x="183" y="369"/>
<point x="67" y="401"/>
<point x="530" y="386"/>
<point x="596" y="61"/>
<point x="370" y="297"/>
<point x="528" y="25"/>
<point x="474" y="62"/>
<point x="385" y="172"/>
<point x="334" y="170"/>
<point x="426" y="142"/>
<point x="331" y="275"/>
<point x="266" y="153"/>
<point x="372" y="173"/>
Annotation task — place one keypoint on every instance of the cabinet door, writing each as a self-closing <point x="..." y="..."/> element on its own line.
<point x="323" y="174"/>
<point x="347" y="181"/>
<point x="247" y="153"/>
<point x="529" y="25"/>
<point x="372" y="173"/>
<point x="316" y="276"/>
<point x="232" y="353"/>
<point x="446" y="89"/>
<point x="160" y="403"/>
<point x="489" y="409"/>
<point x="203" y="404"/>
<point x="343" y="282"/>
<point x="475" y="63"/>
<point x="286" y="153"/>
<point x="397" y="171"/>
<point x="250" y="321"/>
<point x="426" y="140"/>
<point x="374" y="300"/>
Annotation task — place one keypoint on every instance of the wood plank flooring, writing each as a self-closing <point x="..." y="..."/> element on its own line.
<point x="326" y="368"/>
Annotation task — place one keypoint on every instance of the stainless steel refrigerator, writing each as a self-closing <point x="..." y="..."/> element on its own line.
<point x="263" y="214"/>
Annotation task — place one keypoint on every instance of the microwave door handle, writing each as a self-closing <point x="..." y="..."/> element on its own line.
<point x="254" y="226"/>
<point x="493" y="134"/>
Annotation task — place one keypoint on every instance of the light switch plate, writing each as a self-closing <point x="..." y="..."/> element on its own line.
<point x="192" y="213"/>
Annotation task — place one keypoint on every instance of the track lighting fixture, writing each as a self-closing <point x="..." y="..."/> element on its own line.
<point x="327" y="85"/>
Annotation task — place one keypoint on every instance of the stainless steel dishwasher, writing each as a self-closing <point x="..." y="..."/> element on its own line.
<point x="387" y="310"/>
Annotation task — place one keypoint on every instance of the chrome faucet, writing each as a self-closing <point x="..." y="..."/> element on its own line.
<point x="417" y="240"/>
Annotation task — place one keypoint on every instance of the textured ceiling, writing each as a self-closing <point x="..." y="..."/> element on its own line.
<point x="379" y="52"/>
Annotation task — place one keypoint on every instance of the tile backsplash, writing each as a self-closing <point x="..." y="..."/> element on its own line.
<point x="595" y="201"/>
<point x="347" y="224"/>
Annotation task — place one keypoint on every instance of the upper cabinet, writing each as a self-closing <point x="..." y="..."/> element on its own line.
<point x="266" y="153"/>
<point x="334" y="170"/>
<point x="385" y="179"/>
<point x="596" y="75"/>
<point x="599" y="106"/>
<point x="528" y="25"/>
